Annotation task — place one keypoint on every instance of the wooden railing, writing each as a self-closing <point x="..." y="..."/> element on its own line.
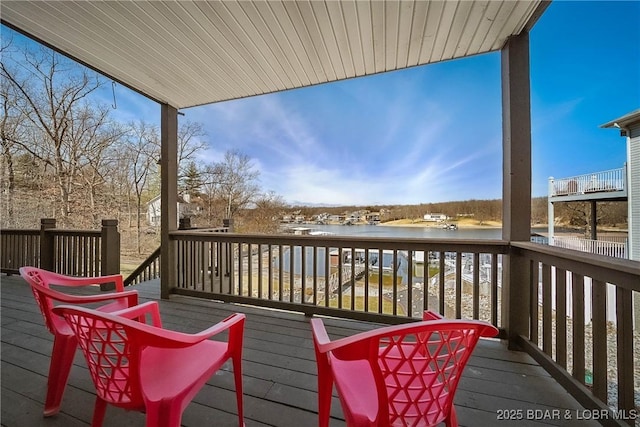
<point x="148" y="270"/>
<point x="582" y="324"/>
<point x="371" y="279"/>
<point x="71" y="252"/>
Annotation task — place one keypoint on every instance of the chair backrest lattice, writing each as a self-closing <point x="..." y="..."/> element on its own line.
<point x="110" y="356"/>
<point x="32" y="275"/>
<point x="421" y="371"/>
<point x="403" y="375"/>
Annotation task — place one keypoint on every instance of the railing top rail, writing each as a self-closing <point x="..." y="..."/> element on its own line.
<point x="62" y="232"/>
<point x="590" y="175"/>
<point x="20" y="231"/>
<point x="210" y="230"/>
<point x="623" y="272"/>
<point x="418" y="244"/>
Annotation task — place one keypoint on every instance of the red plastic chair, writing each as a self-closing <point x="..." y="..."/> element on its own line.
<point x="143" y="367"/>
<point x="64" y="341"/>
<point x="404" y="375"/>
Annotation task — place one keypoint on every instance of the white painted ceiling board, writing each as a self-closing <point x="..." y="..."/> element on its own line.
<point x="187" y="53"/>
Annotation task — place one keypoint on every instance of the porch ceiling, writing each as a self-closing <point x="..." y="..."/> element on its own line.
<point x="190" y="53"/>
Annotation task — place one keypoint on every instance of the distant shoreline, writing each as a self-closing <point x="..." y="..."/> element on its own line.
<point x="475" y="224"/>
<point x="469" y="224"/>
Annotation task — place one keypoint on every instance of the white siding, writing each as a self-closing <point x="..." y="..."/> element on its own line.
<point x="634" y="192"/>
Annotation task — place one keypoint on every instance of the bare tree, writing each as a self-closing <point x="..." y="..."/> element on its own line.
<point x="51" y="93"/>
<point x="190" y="143"/>
<point x="264" y="216"/>
<point x="10" y="129"/>
<point x="237" y="180"/>
<point x="143" y="154"/>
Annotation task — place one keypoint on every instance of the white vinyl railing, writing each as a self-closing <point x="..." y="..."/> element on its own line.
<point x="611" y="180"/>
<point x="601" y="247"/>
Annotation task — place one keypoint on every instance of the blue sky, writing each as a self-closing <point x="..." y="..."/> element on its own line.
<point x="433" y="133"/>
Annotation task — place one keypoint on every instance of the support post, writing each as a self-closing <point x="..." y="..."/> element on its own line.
<point x="47" y="242"/>
<point x="109" y="251"/>
<point x="516" y="190"/>
<point x="593" y="221"/>
<point x="168" y="197"/>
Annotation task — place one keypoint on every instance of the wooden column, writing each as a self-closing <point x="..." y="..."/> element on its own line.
<point x="516" y="187"/>
<point x="168" y="197"/>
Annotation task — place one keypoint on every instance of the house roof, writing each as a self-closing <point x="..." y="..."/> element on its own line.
<point x="624" y="121"/>
<point x="188" y="53"/>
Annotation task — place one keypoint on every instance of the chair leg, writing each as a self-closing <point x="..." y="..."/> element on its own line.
<point x="165" y="413"/>
<point x="64" y="349"/>
<point x="325" y="387"/>
<point x="452" y="420"/>
<point x="98" y="412"/>
<point x="237" y="373"/>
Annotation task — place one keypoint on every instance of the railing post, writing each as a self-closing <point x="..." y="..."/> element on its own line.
<point x="184" y="223"/>
<point x="47" y="241"/>
<point x="110" y="251"/>
<point x="226" y="276"/>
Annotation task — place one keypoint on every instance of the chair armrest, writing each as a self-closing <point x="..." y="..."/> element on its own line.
<point x="175" y="339"/>
<point x="132" y="296"/>
<point x="324" y="344"/>
<point x="58" y="279"/>
<point x="431" y="315"/>
<point x="230" y="322"/>
<point x="320" y="336"/>
<point x="139" y="313"/>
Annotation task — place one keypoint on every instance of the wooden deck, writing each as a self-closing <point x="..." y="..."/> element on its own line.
<point x="279" y="372"/>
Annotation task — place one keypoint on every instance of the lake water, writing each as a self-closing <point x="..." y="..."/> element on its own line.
<point x="382" y="231"/>
<point x="417" y="232"/>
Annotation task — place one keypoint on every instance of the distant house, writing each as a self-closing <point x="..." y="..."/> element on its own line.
<point x="438" y="217"/>
<point x="185" y="208"/>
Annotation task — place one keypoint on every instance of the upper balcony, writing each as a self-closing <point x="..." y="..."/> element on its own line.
<point x="608" y="185"/>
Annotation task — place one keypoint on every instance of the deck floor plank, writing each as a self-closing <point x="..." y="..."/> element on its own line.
<point x="279" y="371"/>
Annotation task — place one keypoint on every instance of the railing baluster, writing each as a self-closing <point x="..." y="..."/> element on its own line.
<point x="380" y="281"/>
<point x="292" y="272"/>
<point x="280" y="273"/>
<point x="409" y="302"/>
<point x="599" y="327"/>
<point x="260" y="272"/>
<point x="425" y="280"/>
<point x="395" y="282"/>
<point x="366" y="281"/>
<point x="494" y="289"/>
<point x="476" y="285"/>
<point x="533" y="307"/>
<point x="458" y="298"/>
<point x="270" y="271"/>
<point x="624" y="338"/>
<point x="441" y="277"/>
<point x="577" y="283"/>
<point x="353" y="278"/>
<point x="547" y="326"/>
<point x="240" y="261"/>
<point x="561" y="317"/>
